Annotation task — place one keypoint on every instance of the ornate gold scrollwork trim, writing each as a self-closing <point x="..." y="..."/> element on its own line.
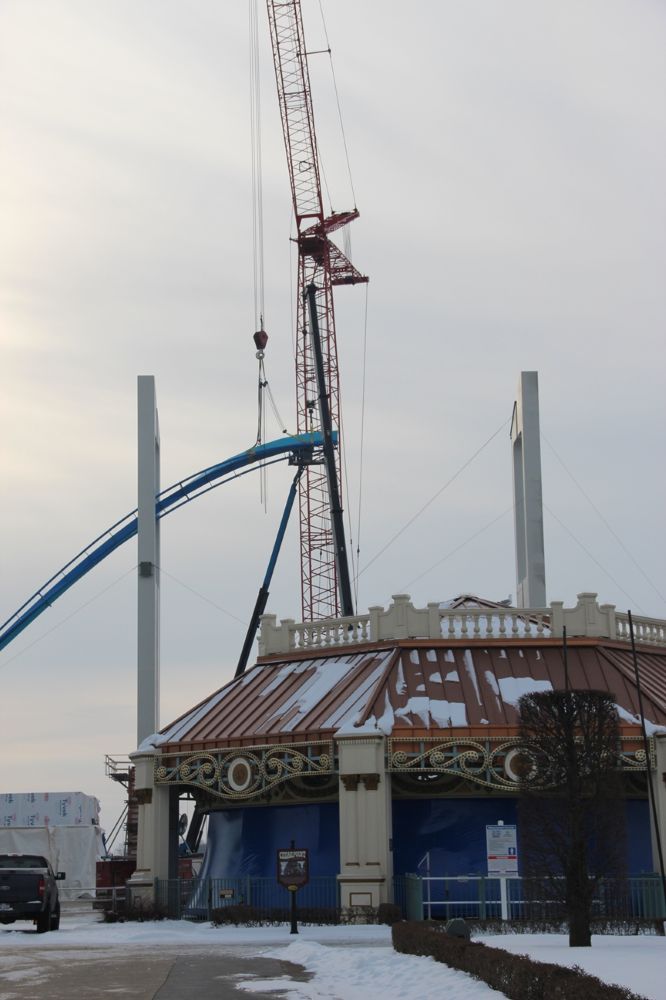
<point x="243" y="773"/>
<point x="493" y="763"/>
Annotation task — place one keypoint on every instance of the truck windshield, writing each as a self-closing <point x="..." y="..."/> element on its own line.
<point x="22" y="861"/>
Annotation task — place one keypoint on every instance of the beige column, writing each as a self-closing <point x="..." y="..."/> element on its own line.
<point x="366" y="861"/>
<point x="152" y="859"/>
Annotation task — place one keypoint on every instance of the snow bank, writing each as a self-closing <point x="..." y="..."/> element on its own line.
<point x="638" y="962"/>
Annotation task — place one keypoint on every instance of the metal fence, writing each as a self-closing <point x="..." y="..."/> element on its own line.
<point x="110" y="899"/>
<point x="478" y="897"/>
<point x="200" y="898"/>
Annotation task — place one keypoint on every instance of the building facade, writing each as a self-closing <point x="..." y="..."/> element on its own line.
<point x="381" y="738"/>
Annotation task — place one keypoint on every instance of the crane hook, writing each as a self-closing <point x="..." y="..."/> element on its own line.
<point x="260" y="340"/>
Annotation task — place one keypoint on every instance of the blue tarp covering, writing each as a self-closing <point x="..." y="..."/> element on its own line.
<point x="245" y="841"/>
<point x="454" y="832"/>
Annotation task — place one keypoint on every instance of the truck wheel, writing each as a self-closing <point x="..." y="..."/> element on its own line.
<point x="55" y="918"/>
<point x="43" y="922"/>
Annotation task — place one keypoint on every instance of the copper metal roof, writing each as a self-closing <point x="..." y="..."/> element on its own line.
<point x="412" y="688"/>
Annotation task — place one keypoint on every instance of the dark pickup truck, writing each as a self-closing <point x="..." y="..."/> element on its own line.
<point x="28" y="891"/>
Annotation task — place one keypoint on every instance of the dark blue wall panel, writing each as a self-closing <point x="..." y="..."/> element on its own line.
<point x="244" y="841"/>
<point x="639" y="850"/>
<point x="454" y="832"/>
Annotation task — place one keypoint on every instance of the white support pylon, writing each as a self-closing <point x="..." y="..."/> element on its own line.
<point x="527" y="494"/>
<point x="148" y="583"/>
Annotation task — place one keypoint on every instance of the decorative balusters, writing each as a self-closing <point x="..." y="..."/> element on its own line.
<point x="402" y="621"/>
<point x="649" y="631"/>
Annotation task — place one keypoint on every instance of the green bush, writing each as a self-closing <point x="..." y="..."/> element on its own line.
<point x="388" y="913"/>
<point x="517" y="976"/>
<point x="240" y="914"/>
<point x="139" y="912"/>
<point x="629" y="927"/>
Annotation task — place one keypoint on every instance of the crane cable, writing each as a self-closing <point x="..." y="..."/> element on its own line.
<point x="260" y="337"/>
<point x="337" y="99"/>
<point x="257" y="185"/>
<point x="347" y="249"/>
<point x="257" y="228"/>
<point x="356" y="556"/>
<point x="604" y="521"/>
<point x="587" y="552"/>
<point x="432" y="499"/>
<point x="405" y="586"/>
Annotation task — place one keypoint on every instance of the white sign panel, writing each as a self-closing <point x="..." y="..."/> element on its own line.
<point x="502" y="850"/>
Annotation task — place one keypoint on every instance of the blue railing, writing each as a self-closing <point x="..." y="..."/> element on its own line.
<point x="475" y="897"/>
<point x="200" y="898"/>
<point x="478" y="897"/>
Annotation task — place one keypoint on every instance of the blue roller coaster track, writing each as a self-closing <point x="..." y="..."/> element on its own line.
<point x="299" y="446"/>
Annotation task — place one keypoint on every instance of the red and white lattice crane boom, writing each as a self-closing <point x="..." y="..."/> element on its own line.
<point x="323" y="265"/>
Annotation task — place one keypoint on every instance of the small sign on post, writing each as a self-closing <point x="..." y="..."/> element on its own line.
<point x="502" y="854"/>
<point x="293" y="872"/>
<point x="502" y="849"/>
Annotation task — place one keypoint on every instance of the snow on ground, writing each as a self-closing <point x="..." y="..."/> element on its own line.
<point x="87" y="931"/>
<point x="638" y="962"/>
<point x="356" y="973"/>
<point x="349" y="962"/>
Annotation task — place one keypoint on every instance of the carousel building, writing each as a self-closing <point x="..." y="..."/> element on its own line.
<point x="376" y="739"/>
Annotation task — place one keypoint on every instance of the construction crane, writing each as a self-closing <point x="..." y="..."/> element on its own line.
<point x="321" y="266"/>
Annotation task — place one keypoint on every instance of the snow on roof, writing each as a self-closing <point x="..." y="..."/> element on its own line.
<point x="406" y="690"/>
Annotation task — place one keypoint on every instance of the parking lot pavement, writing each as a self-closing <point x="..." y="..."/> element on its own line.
<point x="217" y="977"/>
<point x="98" y="974"/>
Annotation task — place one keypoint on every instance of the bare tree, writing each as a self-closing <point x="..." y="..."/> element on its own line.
<point x="571" y="807"/>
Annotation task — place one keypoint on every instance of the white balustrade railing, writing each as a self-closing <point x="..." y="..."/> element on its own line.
<point x="401" y="620"/>
<point x="648" y="631"/>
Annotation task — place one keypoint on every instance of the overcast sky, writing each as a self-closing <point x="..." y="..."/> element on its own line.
<point x="508" y="161"/>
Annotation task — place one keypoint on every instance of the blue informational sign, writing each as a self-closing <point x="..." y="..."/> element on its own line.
<point x="502" y="849"/>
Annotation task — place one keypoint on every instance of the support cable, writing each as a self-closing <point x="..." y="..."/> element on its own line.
<point x="347" y="509"/>
<point x="257" y="227"/>
<point x="362" y="438"/>
<point x="434" y="497"/>
<point x="69" y="617"/>
<point x="263" y="475"/>
<point x="603" y="519"/>
<point x="262" y="597"/>
<point x="276" y="412"/>
<point x="292" y="318"/>
<point x="202" y="597"/>
<point x="337" y="99"/>
<point x="256" y="156"/>
<point x="115" y="832"/>
<point x="589" y="554"/>
<point x="462" y="545"/>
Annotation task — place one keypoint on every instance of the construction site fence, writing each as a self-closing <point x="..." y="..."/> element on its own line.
<point x="111" y="898"/>
<point x="478" y="897"/>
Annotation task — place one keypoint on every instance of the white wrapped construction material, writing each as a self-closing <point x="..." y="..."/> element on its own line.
<point x="31" y="810"/>
<point x="61" y="826"/>
<point x="73" y="850"/>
